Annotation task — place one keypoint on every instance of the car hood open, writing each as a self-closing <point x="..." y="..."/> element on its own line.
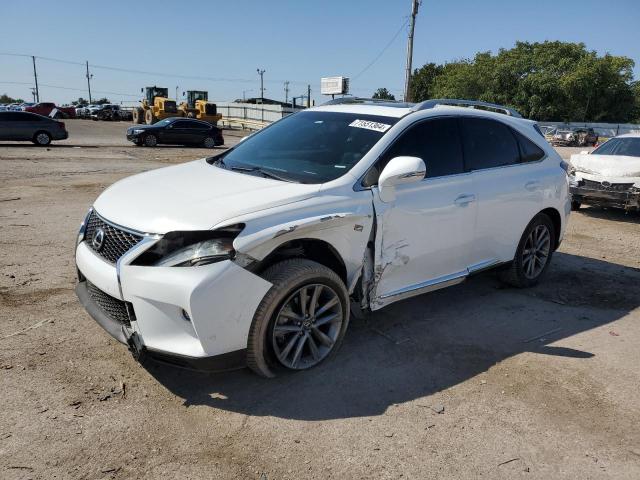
<point x="607" y="165"/>
<point x="192" y="196"/>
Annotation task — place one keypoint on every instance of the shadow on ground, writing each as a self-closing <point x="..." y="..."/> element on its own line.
<point x="611" y="214"/>
<point x="429" y="343"/>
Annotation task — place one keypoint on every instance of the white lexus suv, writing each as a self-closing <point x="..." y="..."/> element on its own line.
<point x="259" y="255"/>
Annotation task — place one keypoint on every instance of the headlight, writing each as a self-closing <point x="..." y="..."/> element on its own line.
<point x="83" y="227"/>
<point x="191" y="249"/>
<point x="138" y="130"/>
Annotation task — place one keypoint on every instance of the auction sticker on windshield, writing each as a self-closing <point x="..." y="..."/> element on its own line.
<point x="376" y="126"/>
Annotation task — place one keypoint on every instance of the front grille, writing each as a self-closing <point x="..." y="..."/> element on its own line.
<point x="116" y="241"/>
<point x="614" y="187"/>
<point x="114" y="308"/>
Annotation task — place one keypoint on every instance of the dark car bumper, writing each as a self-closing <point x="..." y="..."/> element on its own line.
<point x="218" y="363"/>
<point x="60" y="135"/>
<point x="628" y="200"/>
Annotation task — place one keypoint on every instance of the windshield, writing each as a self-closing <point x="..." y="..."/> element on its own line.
<point x="629" y="146"/>
<point x="309" y="147"/>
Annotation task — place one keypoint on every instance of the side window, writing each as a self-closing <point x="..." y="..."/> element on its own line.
<point x="529" y="151"/>
<point x="436" y="141"/>
<point x="181" y="124"/>
<point x="488" y="144"/>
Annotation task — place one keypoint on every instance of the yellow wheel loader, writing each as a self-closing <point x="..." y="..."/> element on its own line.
<point x="197" y="106"/>
<point x="155" y="106"/>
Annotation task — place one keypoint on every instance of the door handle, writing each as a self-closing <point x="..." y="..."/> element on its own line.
<point x="533" y="185"/>
<point x="464" y="200"/>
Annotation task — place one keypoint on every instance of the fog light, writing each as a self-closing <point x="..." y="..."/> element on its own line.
<point x="185" y="315"/>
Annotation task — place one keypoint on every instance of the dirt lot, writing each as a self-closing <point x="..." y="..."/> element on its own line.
<point x="474" y="381"/>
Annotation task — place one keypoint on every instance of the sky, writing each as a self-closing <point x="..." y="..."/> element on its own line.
<point x="218" y="46"/>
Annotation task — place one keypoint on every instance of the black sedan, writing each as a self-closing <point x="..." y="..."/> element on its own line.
<point x="31" y="126"/>
<point x="176" y="131"/>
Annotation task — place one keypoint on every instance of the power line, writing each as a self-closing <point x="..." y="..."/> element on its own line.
<point x="382" y="51"/>
<point x="74" y="89"/>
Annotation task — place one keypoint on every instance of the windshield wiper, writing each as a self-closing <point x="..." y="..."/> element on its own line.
<point x="264" y="172"/>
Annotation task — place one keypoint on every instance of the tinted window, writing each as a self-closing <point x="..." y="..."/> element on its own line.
<point x="529" y="151"/>
<point x="309" y="147"/>
<point x="182" y="124"/>
<point x="628" y="146"/>
<point x="488" y="144"/>
<point x="437" y="142"/>
<point x="20" y="117"/>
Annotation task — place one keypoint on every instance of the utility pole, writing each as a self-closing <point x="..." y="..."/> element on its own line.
<point x="35" y="76"/>
<point x="308" y="96"/>
<point x="261" y="73"/>
<point x="89" y="77"/>
<point x="33" y="92"/>
<point x="407" y="75"/>
<point x="176" y="94"/>
<point x="286" y="91"/>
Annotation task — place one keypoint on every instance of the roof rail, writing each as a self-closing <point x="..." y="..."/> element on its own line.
<point x="427" y="104"/>
<point x="361" y="100"/>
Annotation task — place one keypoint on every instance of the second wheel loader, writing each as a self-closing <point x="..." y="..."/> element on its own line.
<point x="198" y="106"/>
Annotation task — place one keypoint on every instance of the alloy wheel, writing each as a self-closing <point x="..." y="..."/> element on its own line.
<point x="209" y="142"/>
<point x="536" y="251"/>
<point x="42" y="139"/>
<point x="307" y="326"/>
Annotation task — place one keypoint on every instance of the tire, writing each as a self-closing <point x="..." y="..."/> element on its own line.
<point x="209" y="142"/>
<point x="42" y="139"/>
<point x="148" y="117"/>
<point x="520" y="274"/>
<point x="269" y="353"/>
<point x="137" y="115"/>
<point x="150" y="140"/>
<point x="575" y="205"/>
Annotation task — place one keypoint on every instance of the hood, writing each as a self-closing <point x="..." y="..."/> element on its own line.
<point x="141" y="127"/>
<point x="192" y="196"/>
<point x="607" y="165"/>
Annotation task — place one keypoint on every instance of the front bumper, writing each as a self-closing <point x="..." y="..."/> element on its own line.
<point x="628" y="200"/>
<point x="194" y="317"/>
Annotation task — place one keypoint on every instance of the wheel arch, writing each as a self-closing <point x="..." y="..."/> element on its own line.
<point x="556" y="219"/>
<point x="314" y="249"/>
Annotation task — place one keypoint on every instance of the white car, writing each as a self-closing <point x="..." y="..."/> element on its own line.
<point x="609" y="176"/>
<point x="256" y="256"/>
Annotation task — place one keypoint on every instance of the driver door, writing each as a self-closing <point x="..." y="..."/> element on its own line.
<point x="424" y="237"/>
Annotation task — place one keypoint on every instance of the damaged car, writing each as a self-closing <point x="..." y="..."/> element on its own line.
<point x="609" y="176"/>
<point x="260" y="255"/>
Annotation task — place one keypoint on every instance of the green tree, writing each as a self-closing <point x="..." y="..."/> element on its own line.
<point x="383" y="94"/>
<point x="4" y="98"/>
<point x="548" y="80"/>
<point x="102" y="101"/>
<point x="81" y="102"/>
<point x="422" y="81"/>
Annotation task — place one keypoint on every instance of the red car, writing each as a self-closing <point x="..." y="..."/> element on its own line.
<point x="45" y="108"/>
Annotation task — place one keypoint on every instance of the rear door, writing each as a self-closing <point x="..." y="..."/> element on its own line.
<point x="425" y="236"/>
<point x="507" y="176"/>
<point x="180" y="132"/>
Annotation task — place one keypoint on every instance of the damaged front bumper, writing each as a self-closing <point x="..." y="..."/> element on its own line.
<point x="625" y="199"/>
<point x="191" y="317"/>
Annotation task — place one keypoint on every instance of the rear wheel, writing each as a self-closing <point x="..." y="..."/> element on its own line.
<point x="42" y="139"/>
<point x="533" y="254"/>
<point x="150" y="140"/>
<point x="301" y="321"/>
<point x="137" y="115"/>
<point x="209" y="142"/>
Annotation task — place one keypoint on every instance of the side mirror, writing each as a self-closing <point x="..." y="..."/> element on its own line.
<point x="399" y="170"/>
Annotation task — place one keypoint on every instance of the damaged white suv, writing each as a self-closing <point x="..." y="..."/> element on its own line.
<point x="257" y="256"/>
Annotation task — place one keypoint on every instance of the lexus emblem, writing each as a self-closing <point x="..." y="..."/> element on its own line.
<point x="606" y="184"/>
<point x="98" y="239"/>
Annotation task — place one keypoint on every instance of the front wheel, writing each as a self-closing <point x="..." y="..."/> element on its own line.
<point x="301" y="321"/>
<point x="150" y="140"/>
<point x="533" y="254"/>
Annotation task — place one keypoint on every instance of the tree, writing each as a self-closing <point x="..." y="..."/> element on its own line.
<point x="81" y="102"/>
<point x="4" y="98"/>
<point x="102" y="101"/>
<point x="548" y="80"/>
<point x="384" y="94"/>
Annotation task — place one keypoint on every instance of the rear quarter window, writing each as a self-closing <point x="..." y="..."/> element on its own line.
<point x="488" y="144"/>
<point x="529" y="151"/>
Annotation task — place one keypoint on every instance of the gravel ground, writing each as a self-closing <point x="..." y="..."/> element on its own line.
<point x="477" y="380"/>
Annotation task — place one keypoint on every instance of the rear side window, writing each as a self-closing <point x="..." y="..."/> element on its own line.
<point x="436" y="141"/>
<point x="529" y="151"/>
<point x="488" y="144"/>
